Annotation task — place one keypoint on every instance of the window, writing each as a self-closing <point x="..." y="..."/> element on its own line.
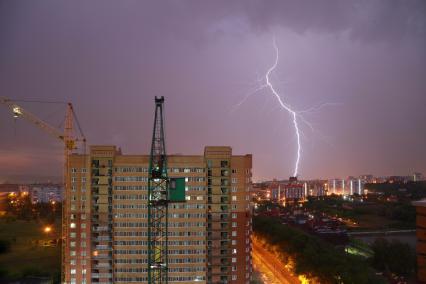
<point x="83" y="179"/>
<point x="234" y="259"/>
<point x="72" y="225"/>
<point x="72" y="262"/>
<point x="73" y="170"/>
<point x="83" y="235"/>
<point x="199" y="197"/>
<point x="234" y="180"/>
<point x="73" y="271"/>
<point x="72" y="244"/>
<point x="83" y="244"/>
<point x="234" y="233"/>
<point x="234" y="224"/>
<point x="83" y="170"/>
<point x="234" y="242"/>
<point x="234" y="198"/>
<point x="72" y="253"/>
<point x="73" y="179"/>
<point x="234" y="251"/>
<point x="234" y="215"/>
<point x="83" y="216"/>
<point x="72" y="235"/>
<point x="72" y="217"/>
<point x="83" y="225"/>
<point x="234" y="277"/>
<point x="234" y="189"/>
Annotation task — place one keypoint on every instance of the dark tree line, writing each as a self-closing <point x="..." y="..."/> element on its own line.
<point x="314" y="257"/>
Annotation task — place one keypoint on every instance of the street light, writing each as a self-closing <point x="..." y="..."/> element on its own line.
<point x="47" y="229"/>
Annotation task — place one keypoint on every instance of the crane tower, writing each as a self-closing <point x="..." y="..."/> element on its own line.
<point x="158" y="199"/>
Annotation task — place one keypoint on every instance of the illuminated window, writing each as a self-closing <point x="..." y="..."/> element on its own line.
<point x="234" y="251"/>
<point x="72" y="225"/>
<point x="199" y="197"/>
<point x="234" y="198"/>
<point x="234" y="242"/>
<point x="73" y="271"/>
<point x="234" y="259"/>
<point x="234" y="233"/>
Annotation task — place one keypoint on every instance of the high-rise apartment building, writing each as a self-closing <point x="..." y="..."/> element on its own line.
<point x="106" y="218"/>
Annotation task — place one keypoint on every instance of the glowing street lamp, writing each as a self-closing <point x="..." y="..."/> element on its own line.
<point x="47" y="229"/>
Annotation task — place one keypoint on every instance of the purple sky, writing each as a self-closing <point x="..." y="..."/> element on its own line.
<point x="110" y="58"/>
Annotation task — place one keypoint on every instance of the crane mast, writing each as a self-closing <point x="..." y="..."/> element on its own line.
<point x="67" y="137"/>
<point x="158" y="199"/>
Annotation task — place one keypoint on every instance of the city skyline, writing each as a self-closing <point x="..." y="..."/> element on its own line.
<point x="367" y="59"/>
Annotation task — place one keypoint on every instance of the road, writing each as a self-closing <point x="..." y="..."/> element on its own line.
<point x="270" y="267"/>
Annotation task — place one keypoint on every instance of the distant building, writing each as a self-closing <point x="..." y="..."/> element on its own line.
<point x="45" y="193"/>
<point x="350" y="186"/>
<point x="421" y="239"/>
<point x="294" y="190"/>
<point x="418" y="177"/>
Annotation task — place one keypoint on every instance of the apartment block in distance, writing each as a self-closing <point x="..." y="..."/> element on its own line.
<point x="106" y="218"/>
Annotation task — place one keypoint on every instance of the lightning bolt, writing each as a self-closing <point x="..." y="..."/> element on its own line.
<point x="285" y="106"/>
<point x="263" y="83"/>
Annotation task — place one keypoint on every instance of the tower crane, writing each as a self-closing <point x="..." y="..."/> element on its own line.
<point x="68" y="137"/>
<point x="158" y="198"/>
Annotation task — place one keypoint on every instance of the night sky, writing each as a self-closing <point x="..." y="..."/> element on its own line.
<point x="366" y="60"/>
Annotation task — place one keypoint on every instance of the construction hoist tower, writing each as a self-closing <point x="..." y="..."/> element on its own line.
<point x="158" y="199"/>
<point x="72" y="141"/>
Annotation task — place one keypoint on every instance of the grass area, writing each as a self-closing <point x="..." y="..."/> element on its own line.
<point x="28" y="255"/>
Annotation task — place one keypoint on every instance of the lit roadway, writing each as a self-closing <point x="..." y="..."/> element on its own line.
<point x="270" y="267"/>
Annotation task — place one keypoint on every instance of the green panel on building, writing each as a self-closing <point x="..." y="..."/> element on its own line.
<point x="177" y="190"/>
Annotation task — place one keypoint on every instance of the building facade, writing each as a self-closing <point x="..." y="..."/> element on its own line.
<point x="421" y="239"/>
<point x="43" y="193"/>
<point x="106" y="218"/>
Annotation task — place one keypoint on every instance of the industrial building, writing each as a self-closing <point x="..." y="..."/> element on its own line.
<point x="105" y="218"/>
